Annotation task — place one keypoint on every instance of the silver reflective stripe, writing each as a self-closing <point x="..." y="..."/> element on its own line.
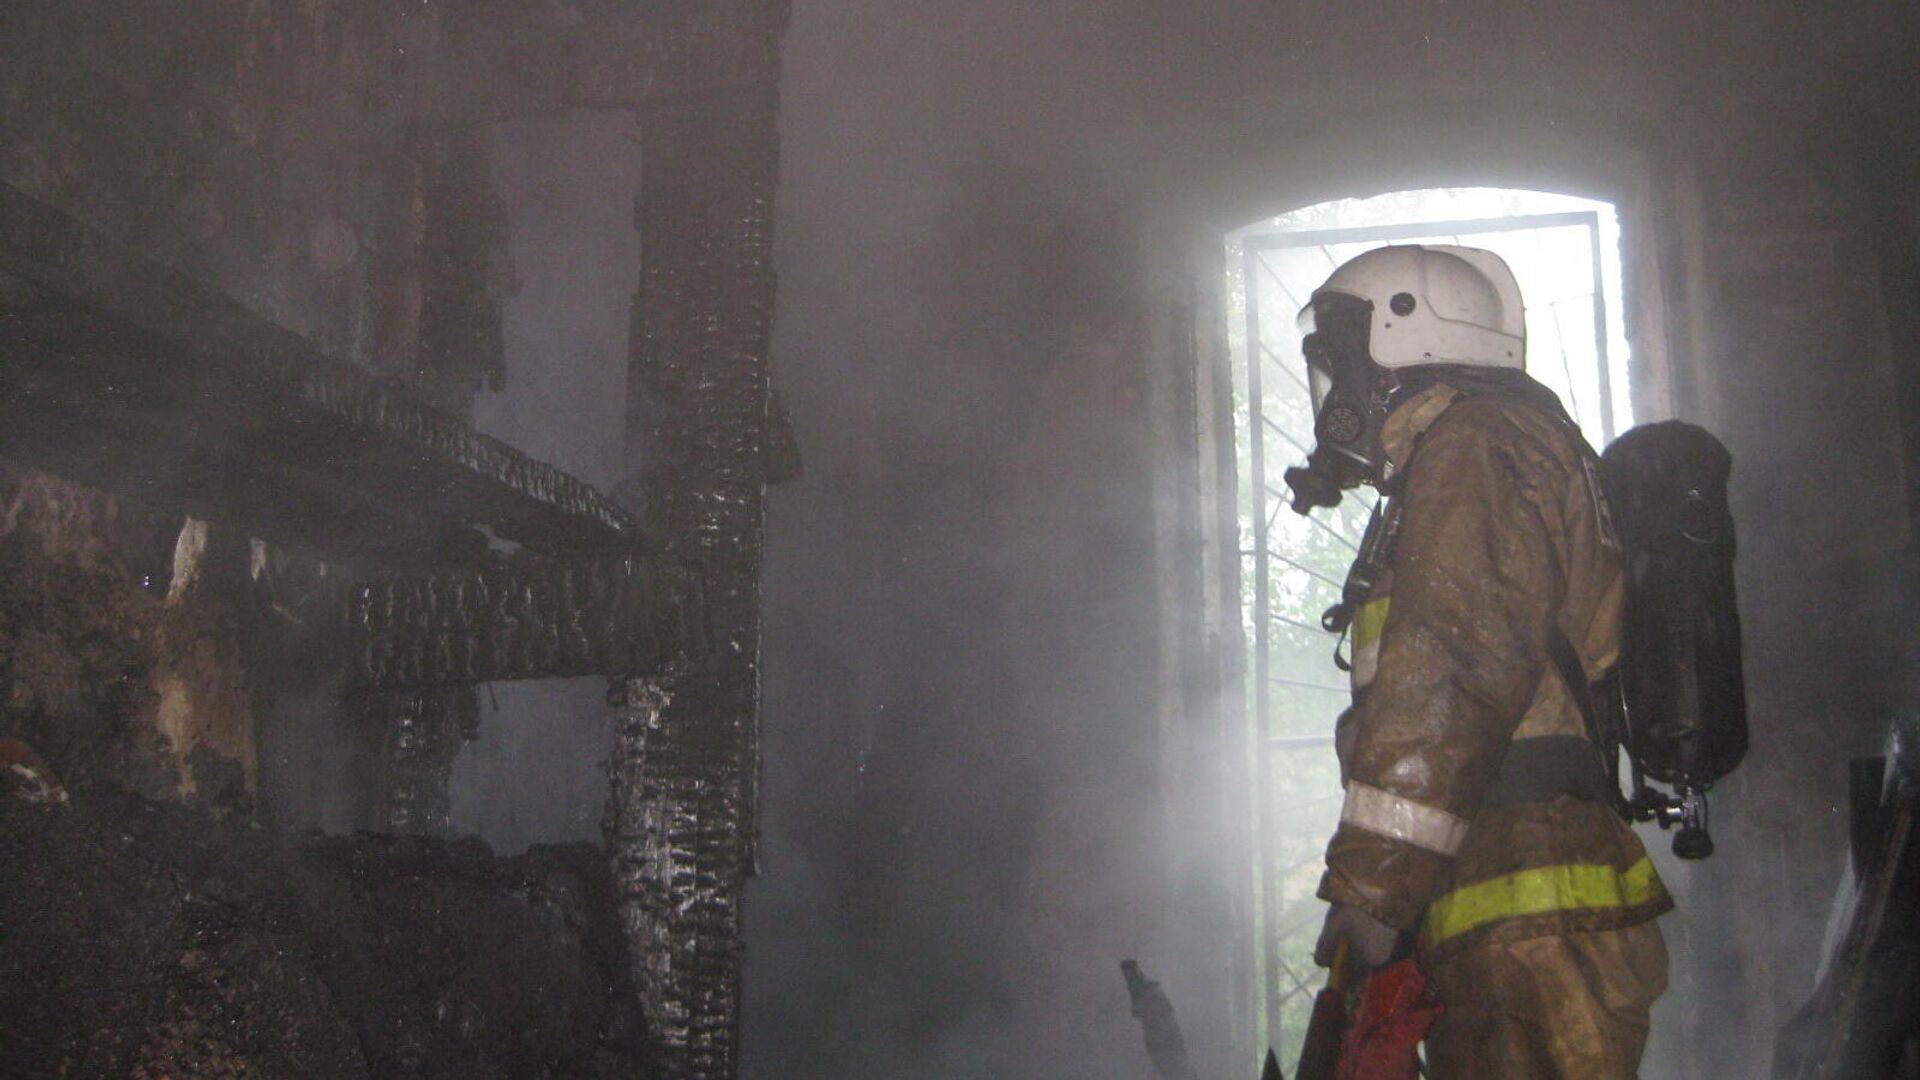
<point x="1401" y="819"/>
<point x="1366" y="664"/>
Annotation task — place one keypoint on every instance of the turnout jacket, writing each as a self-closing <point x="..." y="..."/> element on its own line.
<point x="1453" y="822"/>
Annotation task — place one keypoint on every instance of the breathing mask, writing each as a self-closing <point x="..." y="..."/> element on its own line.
<point x="1351" y="398"/>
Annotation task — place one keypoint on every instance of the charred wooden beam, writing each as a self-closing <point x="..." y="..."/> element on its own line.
<point x="527" y="617"/>
<point x="672" y="825"/>
<point x="606" y="53"/>
<point x="128" y="375"/>
<point x="698" y="432"/>
<point x="422" y="731"/>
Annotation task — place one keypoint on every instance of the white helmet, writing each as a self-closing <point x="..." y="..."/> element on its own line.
<point x="1437" y="305"/>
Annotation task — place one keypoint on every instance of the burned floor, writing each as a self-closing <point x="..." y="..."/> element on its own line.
<point x="746" y="539"/>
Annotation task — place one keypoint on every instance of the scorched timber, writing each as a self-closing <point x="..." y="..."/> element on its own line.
<point x="123" y="373"/>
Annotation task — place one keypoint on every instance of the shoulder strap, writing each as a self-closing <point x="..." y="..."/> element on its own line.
<point x="1573" y="673"/>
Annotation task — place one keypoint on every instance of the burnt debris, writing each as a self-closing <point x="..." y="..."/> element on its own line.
<point x="150" y="939"/>
<point x="256" y="530"/>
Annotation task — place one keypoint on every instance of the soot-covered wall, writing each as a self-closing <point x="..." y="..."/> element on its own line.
<point x="282" y="157"/>
<point x="999" y="670"/>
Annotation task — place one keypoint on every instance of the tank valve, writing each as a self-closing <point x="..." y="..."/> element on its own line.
<point x="1692" y="841"/>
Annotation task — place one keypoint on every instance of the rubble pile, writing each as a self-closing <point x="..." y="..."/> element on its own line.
<point x="151" y="939"/>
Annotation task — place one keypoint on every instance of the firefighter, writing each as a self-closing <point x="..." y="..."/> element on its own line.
<point x="1479" y="818"/>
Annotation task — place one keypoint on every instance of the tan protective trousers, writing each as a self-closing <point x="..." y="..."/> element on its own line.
<point x="1572" y="1007"/>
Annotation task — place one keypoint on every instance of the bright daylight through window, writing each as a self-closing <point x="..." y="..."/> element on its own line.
<point x="1565" y="252"/>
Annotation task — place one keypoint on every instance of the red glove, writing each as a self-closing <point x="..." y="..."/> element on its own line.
<point x="1383" y="1037"/>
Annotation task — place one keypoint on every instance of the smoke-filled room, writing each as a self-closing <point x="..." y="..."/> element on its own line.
<point x="868" y="540"/>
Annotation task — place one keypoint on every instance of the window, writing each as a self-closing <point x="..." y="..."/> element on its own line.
<point x="1565" y="253"/>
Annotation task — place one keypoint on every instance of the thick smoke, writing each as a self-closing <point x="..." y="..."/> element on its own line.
<point x="986" y="223"/>
<point x="966" y="805"/>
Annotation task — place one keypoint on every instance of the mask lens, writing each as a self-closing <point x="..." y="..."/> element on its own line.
<point x="1334" y="330"/>
<point x="1319" y="384"/>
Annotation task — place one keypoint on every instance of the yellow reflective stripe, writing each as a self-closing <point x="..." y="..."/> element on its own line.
<point x="1371" y="620"/>
<point x="1539" y="891"/>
